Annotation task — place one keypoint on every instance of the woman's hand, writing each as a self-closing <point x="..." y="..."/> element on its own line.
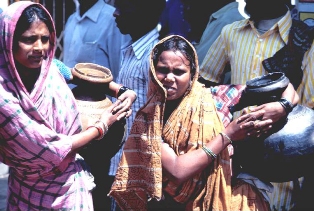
<point x="111" y="114"/>
<point x="126" y="99"/>
<point x="247" y="125"/>
<point x="273" y="111"/>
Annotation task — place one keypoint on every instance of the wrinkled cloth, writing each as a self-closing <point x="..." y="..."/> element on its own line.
<point x="35" y="132"/>
<point x="192" y="124"/>
<point x="289" y="58"/>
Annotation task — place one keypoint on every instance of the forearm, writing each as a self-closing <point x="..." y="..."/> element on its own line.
<point x="83" y="138"/>
<point x="290" y="94"/>
<point x="114" y="88"/>
<point x="181" y="168"/>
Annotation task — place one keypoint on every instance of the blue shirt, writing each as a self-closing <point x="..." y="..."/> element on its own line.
<point x="94" y="38"/>
<point x="134" y="74"/>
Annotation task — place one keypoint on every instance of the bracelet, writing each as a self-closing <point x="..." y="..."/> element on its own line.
<point x="122" y="90"/>
<point x="286" y="104"/>
<point x="105" y="126"/>
<point x="100" y="131"/>
<point x="117" y="90"/>
<point x="223" y="135"/>
<point x="209" y="152"/>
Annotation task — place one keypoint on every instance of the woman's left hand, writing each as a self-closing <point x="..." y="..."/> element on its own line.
<point x="126" y="100"/>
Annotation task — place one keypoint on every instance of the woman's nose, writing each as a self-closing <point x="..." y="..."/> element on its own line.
<point x="38" y="45"/>
<point x="169" y="77"/>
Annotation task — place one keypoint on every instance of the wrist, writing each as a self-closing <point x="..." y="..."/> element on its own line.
<point x="225" y="138"/>
<point x="286" y="104"/>
<point x="117" y="90"/>
<point x="122" y="89"/>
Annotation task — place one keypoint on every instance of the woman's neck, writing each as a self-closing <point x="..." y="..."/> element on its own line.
<point x="28" y="76"/>
<point x="170" y="107"/>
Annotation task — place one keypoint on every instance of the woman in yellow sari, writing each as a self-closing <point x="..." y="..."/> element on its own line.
<point x="177" y="157"/>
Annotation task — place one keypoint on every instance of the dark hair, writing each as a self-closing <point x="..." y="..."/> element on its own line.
<point x="28" y="16"/>
<point x="176" y="44"/>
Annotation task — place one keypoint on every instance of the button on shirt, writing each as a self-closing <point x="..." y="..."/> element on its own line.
<point x="134" y="74"/>
<point x="94" y="38"/>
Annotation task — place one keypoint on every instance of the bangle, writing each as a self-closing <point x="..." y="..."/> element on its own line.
<point x="209" y="152"/>
<point x="122" y="90"/>
<point x="286" y="104"/>
<point x="100" y="131"/>
<point x="223" y="135"/>
<point x="105" y="126"/>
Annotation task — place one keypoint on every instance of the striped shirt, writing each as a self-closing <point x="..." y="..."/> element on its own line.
<point x="134" y="73"/>
<point x="244" y="48"/>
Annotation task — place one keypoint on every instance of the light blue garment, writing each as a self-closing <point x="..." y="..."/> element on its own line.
<point x="226" y="15"/>
<point x="134" y="74"/>
<point x="94" y="38"/>
<point x="64" y="70"/>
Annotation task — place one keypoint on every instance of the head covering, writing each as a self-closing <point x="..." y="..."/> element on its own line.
<point x="193" y="123"/>
<point x="35" y="125"/>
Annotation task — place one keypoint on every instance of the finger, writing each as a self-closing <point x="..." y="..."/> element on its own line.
<point x="247" y="125"/>
<point x="121" y="116"/>
<point x="246" y="118"/>
<point x="129" y="112"/>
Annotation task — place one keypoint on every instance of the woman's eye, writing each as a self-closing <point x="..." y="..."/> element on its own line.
<point x="178" y="72"/>
<point x="28" y="39"/>
<point x="44" y="39"/>
<point x="162" y="70"/>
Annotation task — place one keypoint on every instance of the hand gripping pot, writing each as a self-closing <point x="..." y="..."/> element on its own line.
<point x="287" y="151"/>
<point x="92" y="82"/>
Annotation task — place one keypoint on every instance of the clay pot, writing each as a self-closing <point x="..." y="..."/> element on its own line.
<point x="92" y="83"/>
<point x="287" y="151"/>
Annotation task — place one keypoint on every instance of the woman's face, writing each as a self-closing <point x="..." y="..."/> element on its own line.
<point x="33" y="45"/>
<point x="173" y="71"/>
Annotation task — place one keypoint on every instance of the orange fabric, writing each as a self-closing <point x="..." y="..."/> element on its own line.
<point x="194" y="123"/>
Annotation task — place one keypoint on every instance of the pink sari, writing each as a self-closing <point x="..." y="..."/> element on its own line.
<point x="35" y="132"/>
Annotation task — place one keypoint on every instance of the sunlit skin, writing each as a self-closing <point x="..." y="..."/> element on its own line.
<point x="173" y="71"/>
<point x="33" y="46"/>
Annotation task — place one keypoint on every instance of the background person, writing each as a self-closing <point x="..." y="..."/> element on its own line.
<point x="91" y="35"/>
<point x="246" y="44"/>
<point x="138" y="19"/>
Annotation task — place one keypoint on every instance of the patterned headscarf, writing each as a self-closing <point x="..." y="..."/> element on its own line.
<point x="35" y="126"/>
<point x="193" y="123"/>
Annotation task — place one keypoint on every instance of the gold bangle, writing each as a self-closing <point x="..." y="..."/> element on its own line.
<point x="223" y="135"/>
<point x="209" y="152"/>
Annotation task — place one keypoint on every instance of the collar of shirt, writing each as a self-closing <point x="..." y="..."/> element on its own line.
<point x="141" y="44"/>
<point x="93" y="12"/>
<point x="283" y="26"/>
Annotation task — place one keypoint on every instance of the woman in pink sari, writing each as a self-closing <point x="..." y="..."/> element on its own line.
<point x="40" y="132"/>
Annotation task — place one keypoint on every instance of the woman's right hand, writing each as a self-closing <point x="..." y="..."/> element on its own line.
<point x="110" y="116"/>
<point x="246" y="125"/>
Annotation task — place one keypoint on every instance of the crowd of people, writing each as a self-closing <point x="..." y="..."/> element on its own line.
<point x="173" y="88"/>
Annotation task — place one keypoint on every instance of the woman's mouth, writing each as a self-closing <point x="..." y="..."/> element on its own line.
<point x="170" y="90"/>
